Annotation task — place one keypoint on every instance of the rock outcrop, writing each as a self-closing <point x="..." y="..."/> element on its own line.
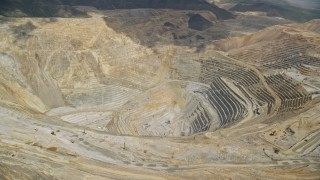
<point x="198" y="22"/>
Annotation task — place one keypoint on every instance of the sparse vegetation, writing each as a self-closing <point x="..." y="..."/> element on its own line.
<point x="24" y="30"/>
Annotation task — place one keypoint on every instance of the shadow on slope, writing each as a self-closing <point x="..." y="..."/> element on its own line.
<point x="190" y="28"/>
<point x="64" y="8"/>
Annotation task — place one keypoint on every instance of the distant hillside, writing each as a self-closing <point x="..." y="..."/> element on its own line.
<point x="64" y="8"/>
<point x="283" y="9"/>
<point x="38" y="8"/>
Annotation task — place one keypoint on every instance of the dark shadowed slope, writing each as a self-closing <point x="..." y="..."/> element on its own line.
<point x="38" y="8"/>
<point x="45" y="8"/>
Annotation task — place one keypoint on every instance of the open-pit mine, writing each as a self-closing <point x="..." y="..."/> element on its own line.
<point x="159" y="89"/>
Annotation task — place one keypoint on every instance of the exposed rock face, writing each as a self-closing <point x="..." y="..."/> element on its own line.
<point x="197" y="22"/>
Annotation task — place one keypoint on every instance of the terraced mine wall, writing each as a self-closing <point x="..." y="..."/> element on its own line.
<point x="224" y="100"/>
<point x="244" y="78"/>
<point x="293" y="54"/>
<point x="201" y="119"/>
<point x="295" y="51"/>
<point x="293" y="96"/>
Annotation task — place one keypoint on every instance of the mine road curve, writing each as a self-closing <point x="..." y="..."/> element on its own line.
<point x="308" y="144"/>
<point x="283" y="163"/>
